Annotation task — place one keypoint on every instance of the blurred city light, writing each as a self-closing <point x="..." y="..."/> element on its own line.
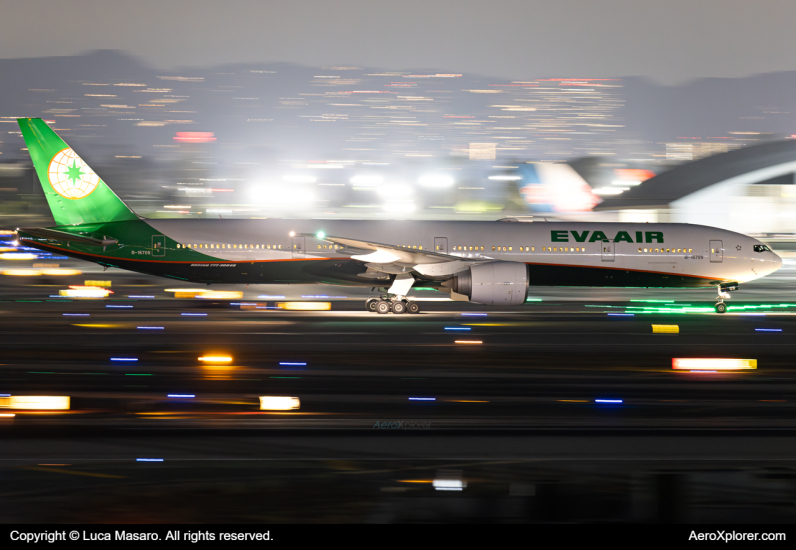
<point x="35" y="402"/>
<point x="305" y="306"/>
<point x="216" y="358"/>
<point x="700" y="364"/>
<point x="436" y="180"/>
<point x="279" y="403"/>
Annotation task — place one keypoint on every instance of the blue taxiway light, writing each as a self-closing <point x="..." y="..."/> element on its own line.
<point x="194" y="314"/>
<point x="768" y="329"/>
<point x="422" y="399"/>
<point x="186" y="395"/>
<point x="458" y="328"/>
<point x="5" y="395"/>
<point x="149" y="460"/>
<point x="124" y="359"/>
<point x="110" y="305"/>
<point x="150" y="328"/>
<point x="138" y="296"/>
<point x="475" y="314"/>
<point x="293" y="364"/>
<point x="608" y="401"/>
<point x="77" y="314"/>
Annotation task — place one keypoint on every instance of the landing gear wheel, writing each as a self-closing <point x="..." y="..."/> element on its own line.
<point x="370" y="304"/>
<point x="383" y="307"/>
<point x="399" y="307"/>
<point x="721" y="307"/>
<point x="413" y="307"/>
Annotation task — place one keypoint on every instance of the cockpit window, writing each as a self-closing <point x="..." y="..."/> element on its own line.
<point x="762" y="248"/>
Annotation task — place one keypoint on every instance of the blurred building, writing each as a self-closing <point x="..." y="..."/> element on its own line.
<point x="750" y="190"/>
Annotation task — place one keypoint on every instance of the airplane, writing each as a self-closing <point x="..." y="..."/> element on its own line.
<point x="492" y="263"/>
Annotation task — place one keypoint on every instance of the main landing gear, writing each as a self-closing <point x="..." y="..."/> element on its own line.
<point x="386" y="304"/>
<point x="720" y="306"/>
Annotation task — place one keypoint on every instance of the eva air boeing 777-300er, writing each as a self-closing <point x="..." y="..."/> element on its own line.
<point x="490" y="263"/>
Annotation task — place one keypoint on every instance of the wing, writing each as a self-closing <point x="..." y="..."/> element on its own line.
<point x="389" y="258"/>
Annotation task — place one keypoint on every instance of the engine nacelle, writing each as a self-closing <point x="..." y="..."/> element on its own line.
<point x="494" y="283"/>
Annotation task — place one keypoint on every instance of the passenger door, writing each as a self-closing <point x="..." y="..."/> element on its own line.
<point x="608" y="251"/>
<point x="441" y="245"/>
<point x="158" y="246"/>
<point x="298" y="247"/>
<point x="716" y="251"/>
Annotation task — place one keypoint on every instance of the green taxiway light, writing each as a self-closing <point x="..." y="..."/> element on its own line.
<point x="138" y="375"/>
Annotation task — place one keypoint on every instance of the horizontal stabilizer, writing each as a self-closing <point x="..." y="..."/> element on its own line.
<point x="64" y="236"/>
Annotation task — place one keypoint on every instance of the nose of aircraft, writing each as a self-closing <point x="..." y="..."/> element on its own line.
<point x="776" y="262"/>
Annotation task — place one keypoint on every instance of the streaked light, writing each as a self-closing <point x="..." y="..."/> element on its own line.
<point x="85" y="293"/>
<point x="475" y="314"/>
<point x="128" y="359"/>
<point x="35" y="402"/>
<point x="150" y="328"/>
<point x="279" y="403"/>
<point x="436" y="180"/>
<point x="293" y="364"/>
<point x="220" y="295"/>
<point x="22" y="272"/>
<point x="305" y="306"/>
<point x="299" y="178"/>
<point x="505" y="178"/>
<point x="193" y="314"/>
<point x="665" y="329"/>
<point x="469" y="342"/>
<point x="449" y="484"/>
<point x="768" y="330"/>
<point x="458" y="328"/>
<point x="7" y="415"/>
<point x="76" y="314"/>
<point x="622" y="314"/>
<point x="182" y="395"/>
<point x="17" y="256"/>
<point x="610" y="190"/>
<point x="138" y="296"/>
<point x="269" y="297"/>
<point x="110" y="305"/>
<point x="193" y="290"/>
<point x="61" y="272"/>
<point x="422" y="399"/>
<point x="615" y="401"/>
<point x="367" y="180"/>
<point x="701" y="364"/>
<point x="216" y="359"/>
<point x="149" y="460"/>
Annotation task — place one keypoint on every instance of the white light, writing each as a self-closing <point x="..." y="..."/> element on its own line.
<point x="396" y="191"/>
<point x="449" y="484"/>
<point x="623" y="182"/>
<point x="281" y="197"/>
<point x="378" y="257"/>
<point x="399" y="207"/>
<point x="505" y="178"/>
<point x="436" y="180"/>
<point x="610" y="190"/>
<point x="367" y="180"/>
<point x="278" y="403"/>
<point x="300" y="178"/>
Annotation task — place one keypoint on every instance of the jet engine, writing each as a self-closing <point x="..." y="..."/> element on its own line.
<point x="493" y="283"/>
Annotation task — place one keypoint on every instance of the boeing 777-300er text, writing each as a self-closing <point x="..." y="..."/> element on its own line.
<point x="490" y="263"/>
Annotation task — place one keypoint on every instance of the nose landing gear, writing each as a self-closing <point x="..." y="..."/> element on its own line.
<point x="723" y="289"/>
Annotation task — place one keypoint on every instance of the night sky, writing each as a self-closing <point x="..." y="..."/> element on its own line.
<point x="668" y="40"/>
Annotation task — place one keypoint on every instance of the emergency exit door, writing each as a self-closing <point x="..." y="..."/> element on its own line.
<point x="608" y="251"/>
<point x="716" y="251"/>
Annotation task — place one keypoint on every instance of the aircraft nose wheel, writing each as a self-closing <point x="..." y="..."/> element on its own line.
<point x="721" y="307"/>
<point x="383" y="307"/>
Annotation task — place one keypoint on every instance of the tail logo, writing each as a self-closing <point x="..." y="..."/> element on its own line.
<point x="70" y="177"/>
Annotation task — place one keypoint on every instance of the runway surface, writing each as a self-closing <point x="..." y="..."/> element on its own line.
<point x="569" y="398"/>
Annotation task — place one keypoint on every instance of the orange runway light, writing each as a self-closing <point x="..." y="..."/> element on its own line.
<point x="471" y="342"/>
<point x="216" y="359"/>
<point x="35" y="402"/>
<point x="700" y="364"/>
<point x="220" y="295"/>
<point x="305" y="306"/>
<point x="278" y="403"/>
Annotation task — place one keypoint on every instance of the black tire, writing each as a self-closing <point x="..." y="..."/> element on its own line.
<point x="383" y="307"/>
<point x="370" y="304"/>
<point x="413" y="307"/>
<point x="399" y="307"/>
<point x="721" y="307"/>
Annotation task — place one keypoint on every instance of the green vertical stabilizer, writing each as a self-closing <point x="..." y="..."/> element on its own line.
<point x="75" y="193"/>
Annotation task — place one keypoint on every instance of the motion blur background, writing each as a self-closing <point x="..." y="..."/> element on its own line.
<point x="174" y="402"/>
